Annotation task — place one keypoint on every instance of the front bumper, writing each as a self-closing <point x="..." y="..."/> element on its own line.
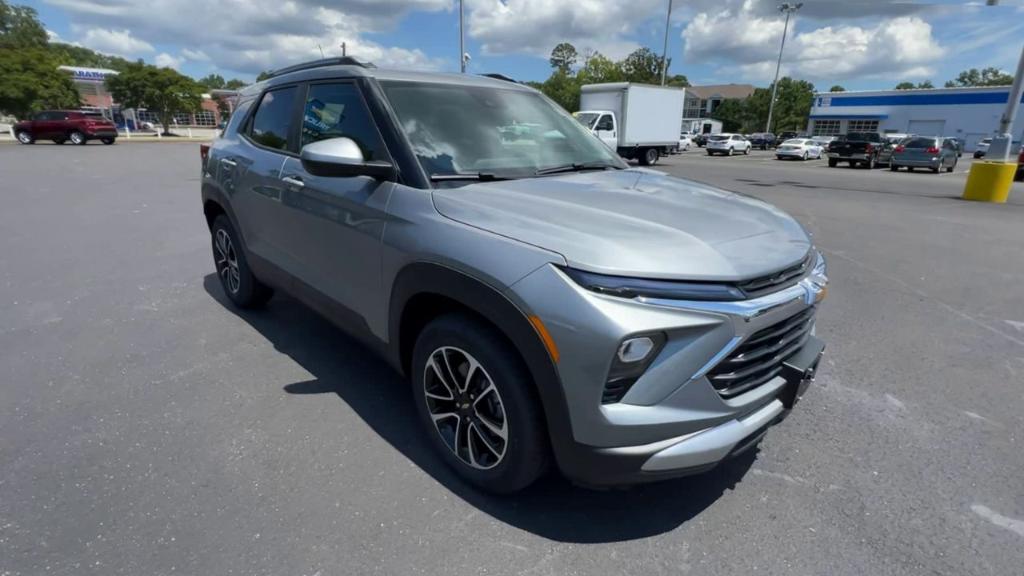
<point x="672" y="421"/>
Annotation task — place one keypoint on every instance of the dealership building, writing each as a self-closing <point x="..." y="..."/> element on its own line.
<point x="90" y="83"/>
<point x="967" y="113"/>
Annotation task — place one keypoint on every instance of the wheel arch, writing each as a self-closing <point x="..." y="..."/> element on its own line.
<point x="424" y="291"/>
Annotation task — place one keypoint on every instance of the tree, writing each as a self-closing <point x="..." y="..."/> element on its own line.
<point x="643" y="66"/>
<point x="678" y="80"/>
<point x="911" y="86"/>
<point x="792" y="105"/>
<point x="731" y="113"/>
<point x="235" y="84"/>
<point x="564" y="89"/>
<point x="162" y="91"/>
<point x="32" y="82"/>
<point x="264" y="75"/>
<point x="986" y="77"/>
<point x="837" y="88"/>
<point x="212" y="82"/>
<point x="564" y="57"/>
<point x="79" y="56"/>
<point x="20" y="27"/>
<point x="598" y="69"/>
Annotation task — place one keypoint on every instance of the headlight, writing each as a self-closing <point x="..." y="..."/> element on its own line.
<point x="670" y="289"/>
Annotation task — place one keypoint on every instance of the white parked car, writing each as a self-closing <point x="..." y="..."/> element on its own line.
<point x="982" y="147"/>
<point x="798" y="148"/>
<point x="685" y="141"/>
<point x="728" y="144"/>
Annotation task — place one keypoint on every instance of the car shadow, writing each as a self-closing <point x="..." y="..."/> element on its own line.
<point x="552" y="508"/>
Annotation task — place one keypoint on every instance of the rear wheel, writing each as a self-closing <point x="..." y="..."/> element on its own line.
<point x="475" y="397"/>
<point x="107" y="141"/>
<point x="746" y="150"/>
<point x="951" y="167"/>
<point x="729" y="153"/>
<point x="77" y="137"/>
<point x="832" y="162"/>
<point x="239" y="284"/>
<point x="649" y="157"/>
<point x="804" y="157"/>
<point x="25" y="137"/>
<point x="935" y="169"/>
<point x="893" y="167"/>
<point x="870" y="164"/>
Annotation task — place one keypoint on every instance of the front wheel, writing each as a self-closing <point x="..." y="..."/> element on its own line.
<point x="729" y="153"/>
<point x="832" y="162"/>
<point x="77" y="137"/>
<point x="476" y="400"/>
<point x="26" y="138"/>
<point x="107" y="141"/>
<point x="238" y="281"/>
<point x="746" y="150"/>
<point x="804" y="157"/>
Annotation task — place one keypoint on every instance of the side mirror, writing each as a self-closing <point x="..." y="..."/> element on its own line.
<point x="342" y="157"/>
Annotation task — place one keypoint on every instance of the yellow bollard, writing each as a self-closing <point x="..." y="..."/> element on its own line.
<point x="989" y="182"/>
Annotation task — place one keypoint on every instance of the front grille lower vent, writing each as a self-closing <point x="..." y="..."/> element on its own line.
<point x="759" y="358"/>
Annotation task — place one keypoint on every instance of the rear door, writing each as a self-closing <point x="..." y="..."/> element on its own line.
<point x="269" y="137"/>
<point x="338" y="221"/>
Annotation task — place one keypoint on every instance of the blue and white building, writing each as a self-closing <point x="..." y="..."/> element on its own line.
<point x="967" y="113"/>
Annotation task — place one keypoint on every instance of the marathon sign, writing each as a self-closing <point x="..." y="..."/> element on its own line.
<point x="88" y="74"/>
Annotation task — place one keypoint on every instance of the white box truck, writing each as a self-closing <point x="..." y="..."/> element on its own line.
<point x="639" y="121"/>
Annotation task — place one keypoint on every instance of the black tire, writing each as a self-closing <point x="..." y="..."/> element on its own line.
<point x="107" y="141"/>
<point x="910" y="168"/>
<point x="649" y="157"/>
<point x="729" y="153"/>
<point x="893" y="167"/>
<point x="526" y="451"/>
<point x="935" y="169"/>
<point x="77" y="137"/>
<point x="246" y="291"/>
<point x="951" y="167"/>
<point x="25" y="137"/>
<point x="746" y="151"/>
<point x="870" y="164"/>
<point x="710" y="153"/>
<point x="804" y="158"/>
<point x="832" y="162"/>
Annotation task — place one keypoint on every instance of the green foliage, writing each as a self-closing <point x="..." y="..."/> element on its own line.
<point x="564" y="57"/>
<point x="31" y="82"/>
<point x="599" y="69"/>
<point x="837" y="88"/>
<point x="162" y="91"/>
<point x="564" y="89"/>
<point x="264" y="75"/>
<point x="20" y="27"/>
<point x="212" y="82"/>
<point x="912" y="86"/>
<point x="234" y="84"/>
<point x="642" y="66"/>
<point x="678" y="80"/>
<point x="70" y="55"/>
<point x="985" y="77"/>
<point x="792" y="106"/>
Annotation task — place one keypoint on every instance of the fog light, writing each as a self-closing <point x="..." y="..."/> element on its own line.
<point x="635" y="349"/>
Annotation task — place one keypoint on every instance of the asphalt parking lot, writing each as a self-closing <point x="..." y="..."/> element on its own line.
<point x="148" y="428"/>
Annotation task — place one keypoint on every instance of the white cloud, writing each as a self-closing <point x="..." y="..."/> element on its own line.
<point x="116" y="42"/>
<point x="898" y="47"/>
<point x="165" y="60"/>
<point x="254" y="35"/>
<point x="536" y="26"/>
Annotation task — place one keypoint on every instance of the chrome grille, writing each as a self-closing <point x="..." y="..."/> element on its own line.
<point x="759" y="358"/>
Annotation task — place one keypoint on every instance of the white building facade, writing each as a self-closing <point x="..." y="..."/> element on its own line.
<point x="967" y="113"/>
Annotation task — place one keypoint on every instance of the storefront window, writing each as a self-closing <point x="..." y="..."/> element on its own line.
<point x="826" y="127"/>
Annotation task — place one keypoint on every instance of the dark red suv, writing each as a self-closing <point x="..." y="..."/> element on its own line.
<point x="65" y="125"/>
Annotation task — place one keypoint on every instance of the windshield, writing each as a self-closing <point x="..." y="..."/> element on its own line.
<point x="508" y="132"/>
<point x="587" y="118"/>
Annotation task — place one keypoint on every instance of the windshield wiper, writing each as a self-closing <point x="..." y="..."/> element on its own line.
<point x="479" y="176"/>
<point x="577" y="167"/>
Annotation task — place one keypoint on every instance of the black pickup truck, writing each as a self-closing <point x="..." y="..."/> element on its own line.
<point x="857" y="148"/>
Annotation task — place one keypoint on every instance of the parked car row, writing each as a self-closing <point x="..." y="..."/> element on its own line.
<point x="62" y="126"/>
<point x="870" y="149"/>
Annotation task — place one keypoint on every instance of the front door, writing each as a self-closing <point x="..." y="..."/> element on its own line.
<point x="606" y="130"/>
<point x="338" y="221"/>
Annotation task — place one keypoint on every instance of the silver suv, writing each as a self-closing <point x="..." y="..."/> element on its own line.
<point x="549" y="303"/>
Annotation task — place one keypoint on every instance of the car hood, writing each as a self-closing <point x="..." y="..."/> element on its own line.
<point x="634" y="222"/>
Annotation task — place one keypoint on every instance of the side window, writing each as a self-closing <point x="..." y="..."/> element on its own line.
<point x="337" y="110"/>
<point x="605" y="123"/>
<point x="273" y="119"/>
<point x="42" y="116"/>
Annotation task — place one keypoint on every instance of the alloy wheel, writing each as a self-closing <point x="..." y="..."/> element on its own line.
<point x="24" y="137"/>
<point x="77" y="138"/>
<point x="465" y="407"/>
<point x="227" y="262"/>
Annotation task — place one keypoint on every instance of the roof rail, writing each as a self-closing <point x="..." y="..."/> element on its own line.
<point x="497" y="76"/>
<point x="337" y="61"/>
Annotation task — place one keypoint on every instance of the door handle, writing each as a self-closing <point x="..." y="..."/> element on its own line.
<point x="228" y="162"/>
<point x="294" y="181"/>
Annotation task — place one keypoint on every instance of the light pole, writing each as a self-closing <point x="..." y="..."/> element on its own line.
<point x="664" y="50"/>
<point x="462" y="42"/>
<point x="787" y="8"/>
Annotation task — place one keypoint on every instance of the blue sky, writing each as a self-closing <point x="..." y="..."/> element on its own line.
<point x="860" y="44"/>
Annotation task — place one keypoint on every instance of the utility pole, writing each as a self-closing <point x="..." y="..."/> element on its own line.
<point x="786" y="8"/>
<point x="344" y="51"/>
<point x="664" y="50"/>
<point x="462" y="41"/>
<point x="1002" y="144"/>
